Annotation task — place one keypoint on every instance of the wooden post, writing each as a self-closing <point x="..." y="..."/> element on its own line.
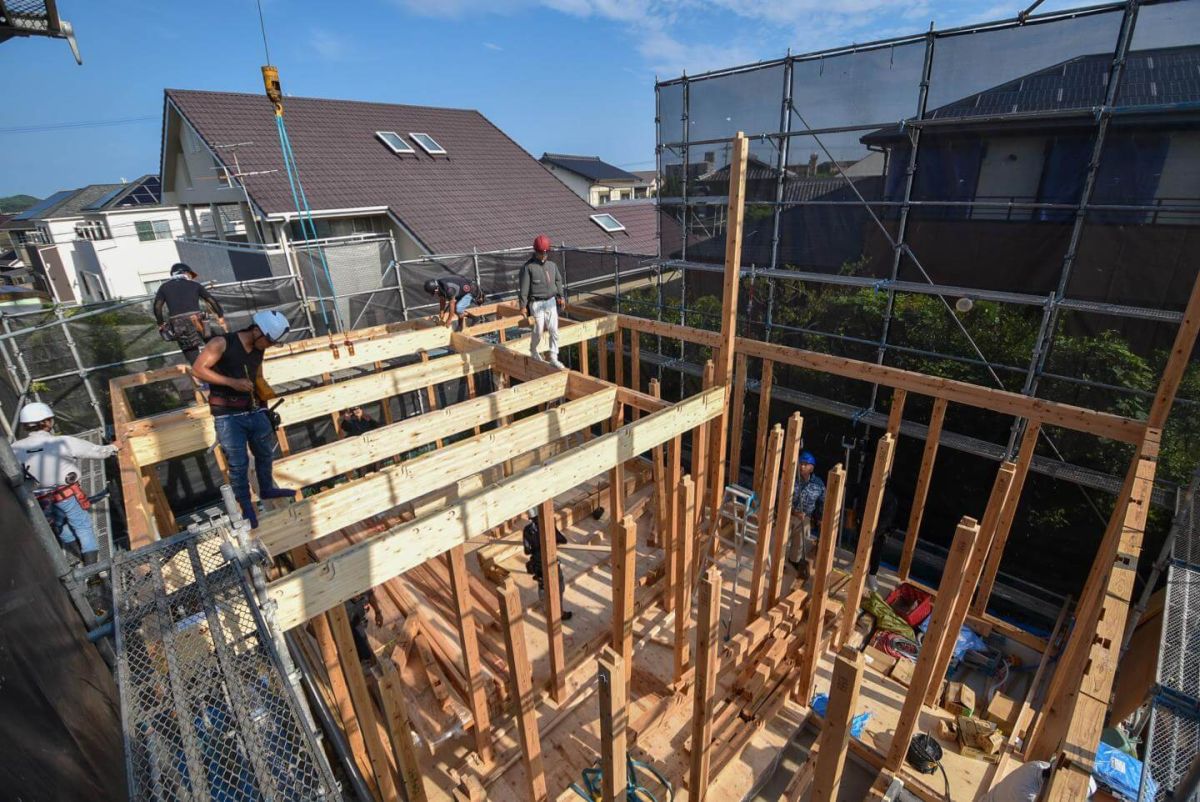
<point x="987" y="531"/>
<point x="430" y="392"/>
<point x="831" y="524"/>
<point x="729" y="307"/>
<point x="783" y="507"/>
<point x="674" y="474"/>
<point x="896" y="413"/>
<point x="683" y="581"/>
<point x="739" y="417"/>
<point x="616" y="477"/>
<point x="602" y="356"/>
<point x="614" y="725"/>
<point x="835" y="733"/>
<point x="1177" y="362"/>
<point x="764" y="421"/>
<point x="766" y="521"/>
<point x="700" y="451"/>
<point x="951" y="584"/>
<point x="624" y="564"/>
<point x="471" y="393"/>
<point x="866" y="534"/>
<point x="520" y="677"/>
<point x="584" y="348"/>
<point x="1004" y="525"/>
<point x="658" y="472"/>
<point x="460" y="589"/>
<point x="553" y="601"/>
<point x="704" y="697"/>
<point x="928" y="457"/>
<point x="635" y="364"/>
<point x="619" y="356"/>
<point x="364" y="705"/>
<point x="395" y="711"/>
<point x="341" y="697"/>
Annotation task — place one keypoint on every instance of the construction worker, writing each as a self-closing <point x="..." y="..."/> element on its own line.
<point x="808" y="501"/>
<point x="455" y="296"/>
<point x="532" y="541"/>
<point x="53" y="463"/>
<point x="356" y="611"/>
<point x="232" y="365"/>
<point x="541" y="295"/>
<point x="177" y="310"/>
<point x="355" y="421"/>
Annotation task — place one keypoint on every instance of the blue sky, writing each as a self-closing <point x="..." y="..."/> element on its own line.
<point x="574" y="76"/>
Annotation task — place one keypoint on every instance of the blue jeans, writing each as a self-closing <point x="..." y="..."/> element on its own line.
<point x="464" y="303"/>
<point x="237" y="432"/>
<point x="73" y="523"/>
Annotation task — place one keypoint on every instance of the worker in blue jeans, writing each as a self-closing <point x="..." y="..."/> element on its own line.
<point x="52" y="461"/>
<point x="232" y="366"/>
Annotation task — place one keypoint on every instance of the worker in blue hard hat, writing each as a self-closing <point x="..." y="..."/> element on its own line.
<point x="232" y="365"/>
<point x="808" y="502"/>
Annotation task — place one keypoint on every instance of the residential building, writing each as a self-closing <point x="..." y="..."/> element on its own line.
<point x="597" y="181"/>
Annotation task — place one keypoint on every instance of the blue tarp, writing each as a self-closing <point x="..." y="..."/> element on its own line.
<point x="821" y="701"/>
<point x="1122" y="773"/>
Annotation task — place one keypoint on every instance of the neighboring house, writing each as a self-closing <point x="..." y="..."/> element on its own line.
<point x="597" y="181"/>
<point x="98" y="242"/>
<point x="384" y="182"/>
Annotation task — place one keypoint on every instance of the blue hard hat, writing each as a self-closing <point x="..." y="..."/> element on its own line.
<point x="806" y="456"/>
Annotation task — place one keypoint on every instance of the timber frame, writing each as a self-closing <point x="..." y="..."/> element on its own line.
<point x="375" y="528"/>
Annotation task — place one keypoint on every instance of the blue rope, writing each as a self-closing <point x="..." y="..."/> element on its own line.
<point x="858" y="416"/>
<point x="307" y="225"/>
<point x="881" y="284"/>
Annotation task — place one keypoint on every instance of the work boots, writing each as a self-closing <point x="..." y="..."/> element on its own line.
<point x="276" y="492"/>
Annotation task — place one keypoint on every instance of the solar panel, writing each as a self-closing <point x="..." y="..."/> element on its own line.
<point x="35" y="211"/>
<point x="105" y="199"/>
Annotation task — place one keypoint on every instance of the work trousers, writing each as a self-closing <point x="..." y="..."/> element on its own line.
<point x="73" y="523"/>
<point x="240" y="435"/>
<point x="801" y="532"/>
<point x="545" y="319"/>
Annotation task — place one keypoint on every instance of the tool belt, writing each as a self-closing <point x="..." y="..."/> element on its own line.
<point x="242" y="403"/>
<point x="62" y="493"/>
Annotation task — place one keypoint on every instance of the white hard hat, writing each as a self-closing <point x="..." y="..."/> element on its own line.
<point x="36" y="412"/>
<point x="272" y="324"/>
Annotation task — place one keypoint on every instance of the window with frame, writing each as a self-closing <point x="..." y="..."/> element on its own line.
<point x="602" y="197"/>
<point x="151" y="230"/>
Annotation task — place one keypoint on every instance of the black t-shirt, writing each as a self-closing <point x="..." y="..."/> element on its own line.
<point x="235" y="363"/>
<point x="181" y="296"/>
<point x="353" y="426"/>
<point x="455" y="287"/>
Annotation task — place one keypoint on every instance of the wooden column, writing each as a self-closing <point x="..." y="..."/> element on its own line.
<point x="704" y="697"/>
<point x="831" y="525"/>
<point x="739" y="417"/>
<point x="635" y="365"/>
<point x="430" y="392"/>
<point x="700" y="451"/>
<point x="764" y="420"/>
<point x="683" y="581"/>
<point x="553" y="601"/>
<point x="341" y="697"/>
<point x="520" y="677"/>
<point x="1004" y="525"/>
<point x="364" y="705"/>
<point x="835" y="733"/>
<point x="399" y="728"/>
<point x="783" y="507"/>
<point x="896" y="413"/>
<point x="614" y="725"/>
<point x="961" y="602"/>
<point x="658" y="471"/>
<point x="471" y="394"/>
<point x="624" y="565"/>
<point x="583" y="357"/>
<point x="766" y="521"/>
<point x="928" y="457"/>
<point x="866" y="534"/>
<point x="616" y="477"/>
<point x="602" y="356"/>
<point x="619" y="356"/>
<point x="729" y="307"/>
<point x="460" y="590"/>
<point x="951" y="584"/>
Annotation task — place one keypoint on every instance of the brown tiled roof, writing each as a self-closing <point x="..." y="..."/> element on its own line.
<point x="485" y="193"/>
<point x="640" y="218"/>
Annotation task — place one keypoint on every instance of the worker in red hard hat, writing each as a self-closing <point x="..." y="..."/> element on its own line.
<point x="541" y="294"/>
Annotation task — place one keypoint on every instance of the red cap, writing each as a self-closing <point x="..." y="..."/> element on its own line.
<point x="542" y="244"/>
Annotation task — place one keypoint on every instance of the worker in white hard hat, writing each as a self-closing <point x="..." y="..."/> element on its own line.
<point x="52" y="461"/>
<point x="232" y="365"/>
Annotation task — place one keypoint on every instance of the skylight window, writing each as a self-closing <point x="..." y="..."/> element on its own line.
<point x="428" y="144"/>
<point x="394" y="141"/>
<point x="607" y="222"/>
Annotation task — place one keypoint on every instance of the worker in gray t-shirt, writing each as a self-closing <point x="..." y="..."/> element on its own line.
<point x="541" y="295"/>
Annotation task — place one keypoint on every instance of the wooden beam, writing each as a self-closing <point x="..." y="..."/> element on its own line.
<point x="175" y="434"/>
<point x="831" y="525"/>
<point x="923" y="676"/>
<point x="614" y="724"/>
<point x="896" y="413"/>
<point x="1007" y="515"/>
<point x="783" y="507"/>
<point x="460" y="591"/>
<point x="924" y="478"/>
<point x="685" y="548"/>
<point x="552" y="600"/>
<point x="384" y="490"/>
<point x="1177" y="361"/>
<point x="866" y="535"/>
<point x="399" y="728"/>
<point x="764" y="421"/>
<point x="704" y="697"/>
<point x="570" y="333"/>
<point x="624" y="583"/>
<point x="520" y="677"/>
<point x="359" y="353"/>
<point x="766" y="522"/>
<point x="988" y="527"/>
<point x="313" y="589"/>
<point x="364" y="705"/>
<point x="835" y="734"/>
<point x="737" y="430"/>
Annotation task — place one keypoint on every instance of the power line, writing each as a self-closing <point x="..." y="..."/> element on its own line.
<point x="31" y="129"/>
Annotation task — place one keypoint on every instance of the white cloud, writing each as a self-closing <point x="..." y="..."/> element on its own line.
<point x="329" y="45"/>
<point x="492" y="46"/>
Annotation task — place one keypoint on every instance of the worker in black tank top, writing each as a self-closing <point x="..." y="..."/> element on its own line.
<point x="232" y="365"/>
